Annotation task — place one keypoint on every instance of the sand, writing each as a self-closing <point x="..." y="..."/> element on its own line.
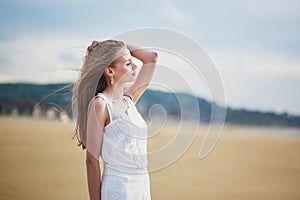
<point x="38" y="160"/>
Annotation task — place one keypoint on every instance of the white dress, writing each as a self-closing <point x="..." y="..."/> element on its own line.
<point x="124" y="153"/>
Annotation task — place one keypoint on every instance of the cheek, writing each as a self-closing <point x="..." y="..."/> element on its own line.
<point x="123" y="71"/>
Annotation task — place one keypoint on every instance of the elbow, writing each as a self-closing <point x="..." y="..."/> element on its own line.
<point x="155" y="57"/>
<point x="88" y="161"/>
<point x="91" y="160"/>
<point x="92" y="164"/>
<point x="152" y="58"/>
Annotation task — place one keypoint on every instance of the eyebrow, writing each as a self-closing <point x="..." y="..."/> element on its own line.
<point x="129" y="59"/>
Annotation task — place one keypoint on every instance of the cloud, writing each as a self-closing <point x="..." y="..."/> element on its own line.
<point x="42" y="58"/>
<point x="176" y="15"/>
<point x="260" y="80"/>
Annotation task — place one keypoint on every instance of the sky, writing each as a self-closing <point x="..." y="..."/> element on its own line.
<point x="255" y="45"/>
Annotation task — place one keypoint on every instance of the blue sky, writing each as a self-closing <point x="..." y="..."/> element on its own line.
<point x="254" y="44"/>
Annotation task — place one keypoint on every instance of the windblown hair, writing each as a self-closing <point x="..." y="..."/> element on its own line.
<point x="92" y="81"/>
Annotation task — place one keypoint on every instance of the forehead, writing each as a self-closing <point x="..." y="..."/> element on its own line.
<point x="126" y="56"/>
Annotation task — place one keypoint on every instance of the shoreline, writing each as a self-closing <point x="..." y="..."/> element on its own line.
<point x="280" y="132"/>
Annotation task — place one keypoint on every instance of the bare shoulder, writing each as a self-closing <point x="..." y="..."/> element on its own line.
<point x="99" y="104"/>
<point x="99" y="109"/>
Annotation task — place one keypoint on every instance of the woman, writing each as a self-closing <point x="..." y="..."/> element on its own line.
<point x="108" y="124"/>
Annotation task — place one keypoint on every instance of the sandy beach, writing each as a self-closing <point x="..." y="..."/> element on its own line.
<point x="38" y="160"/>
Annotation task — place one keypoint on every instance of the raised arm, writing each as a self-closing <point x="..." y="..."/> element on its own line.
<point x="149" y="60"/>
<point x="97" y="117"/>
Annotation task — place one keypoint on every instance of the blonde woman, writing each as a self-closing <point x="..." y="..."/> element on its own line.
<point x="108" y="124"/>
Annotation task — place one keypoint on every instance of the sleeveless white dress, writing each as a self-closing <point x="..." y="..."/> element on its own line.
<point x="124" y="153"/>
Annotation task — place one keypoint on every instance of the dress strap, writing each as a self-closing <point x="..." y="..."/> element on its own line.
<point x="128" y="99"/>
<point x="108" y="104"/>
<point x="106" y="99"/>
<point x="125" y="95"/>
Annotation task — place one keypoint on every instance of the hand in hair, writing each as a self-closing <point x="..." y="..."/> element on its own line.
<point x="93" y="45"/>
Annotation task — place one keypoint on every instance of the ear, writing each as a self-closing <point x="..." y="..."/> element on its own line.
<point x="109" y="71"/>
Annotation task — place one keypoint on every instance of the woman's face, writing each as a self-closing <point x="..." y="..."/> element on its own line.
<point x="125" y="68"/>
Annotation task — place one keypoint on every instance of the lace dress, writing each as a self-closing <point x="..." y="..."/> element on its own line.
<point x="124" y="154"/>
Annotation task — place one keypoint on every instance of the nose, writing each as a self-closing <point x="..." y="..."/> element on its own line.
<point x="134" y="66"/>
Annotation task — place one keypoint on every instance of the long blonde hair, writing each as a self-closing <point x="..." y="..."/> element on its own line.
<point x="92" y="81"/>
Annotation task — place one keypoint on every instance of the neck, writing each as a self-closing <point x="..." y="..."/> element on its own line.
<point x="115" y="91"/>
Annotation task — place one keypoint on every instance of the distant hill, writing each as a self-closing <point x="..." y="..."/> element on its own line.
<point x="23" y="96"/>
